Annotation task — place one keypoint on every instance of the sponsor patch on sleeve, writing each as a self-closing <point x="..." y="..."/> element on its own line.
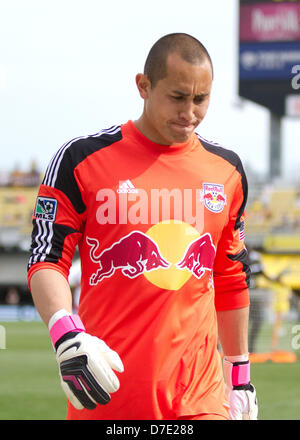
<point x="46" y="208"/>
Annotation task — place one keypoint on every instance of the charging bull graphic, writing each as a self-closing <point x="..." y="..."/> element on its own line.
<point x="137" y="253"/>
<point x="133" y="254"/>
<point x="199" y="256"/>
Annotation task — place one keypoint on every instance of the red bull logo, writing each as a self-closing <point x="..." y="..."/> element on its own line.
<point x="199" y="256"/>
<point x="137" y="253"/>
<point x="214" y="197"/>
<point x="133" y="254"/>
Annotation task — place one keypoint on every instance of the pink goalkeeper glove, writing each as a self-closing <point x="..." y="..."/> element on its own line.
<point x="241" y="394"/>
<point x="85" y="362"/>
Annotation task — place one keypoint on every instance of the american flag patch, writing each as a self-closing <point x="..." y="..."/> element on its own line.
<point x="242" y="231"/>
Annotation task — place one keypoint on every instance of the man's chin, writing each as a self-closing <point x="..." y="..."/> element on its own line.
<point x="181" y="134"/>
<point x="181" y="138"/>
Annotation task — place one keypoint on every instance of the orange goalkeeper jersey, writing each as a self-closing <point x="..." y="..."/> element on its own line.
<point x="160" y="232"/>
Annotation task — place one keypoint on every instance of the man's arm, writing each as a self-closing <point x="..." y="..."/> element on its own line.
<point x="85" y="362"/>
<point x="92" y="360"/>
<point x="233" y="336"/>
<point x="51" y="292"/>
<point x="231" y="279"/>
<point x="233" y="331"/>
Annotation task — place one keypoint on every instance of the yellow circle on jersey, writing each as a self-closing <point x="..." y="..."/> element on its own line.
<point x="173" y="238"/>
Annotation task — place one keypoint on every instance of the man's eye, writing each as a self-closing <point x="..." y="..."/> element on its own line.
<point x="178" y="98"/>
<point x="199" y="99"/>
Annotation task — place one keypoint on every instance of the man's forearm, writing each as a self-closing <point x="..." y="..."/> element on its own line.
<point x="51" y="292"/>
<point x="233" y="331"/>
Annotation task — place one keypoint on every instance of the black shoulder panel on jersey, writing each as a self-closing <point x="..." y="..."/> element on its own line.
<point x="47" y="241"/>
<point x="243" y="257"/>
<point x="60" y="172"/>
<point x="234" y="160"/>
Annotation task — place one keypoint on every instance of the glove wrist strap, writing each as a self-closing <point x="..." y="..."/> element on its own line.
<point x="240" y="374"/>
<point x="66" y="324"/>
<point x="237" y="371"/>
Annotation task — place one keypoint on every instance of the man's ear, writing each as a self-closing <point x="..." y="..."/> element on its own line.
<point x="143" y="85"/>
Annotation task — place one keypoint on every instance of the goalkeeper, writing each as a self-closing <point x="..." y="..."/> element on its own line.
<point x="144" y="342"/>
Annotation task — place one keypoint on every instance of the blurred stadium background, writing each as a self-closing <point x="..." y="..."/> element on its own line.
<point x="29" y="386"/>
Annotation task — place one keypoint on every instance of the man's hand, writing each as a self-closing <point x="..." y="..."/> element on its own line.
<point x="85" y="364"/>
<point x="243" y="403"/>
<point x="241" y="394"/>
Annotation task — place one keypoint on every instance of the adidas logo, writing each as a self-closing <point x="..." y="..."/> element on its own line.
<point x="127" y="187"/>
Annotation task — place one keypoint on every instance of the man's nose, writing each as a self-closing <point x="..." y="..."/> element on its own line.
<point x="187" y="111"/>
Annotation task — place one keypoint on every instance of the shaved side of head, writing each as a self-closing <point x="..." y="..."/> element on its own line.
<point x="189" y="48"/>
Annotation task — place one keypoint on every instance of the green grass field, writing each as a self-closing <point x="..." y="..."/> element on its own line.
<point x="30" y="389"/>
<point x="29" y="384"/>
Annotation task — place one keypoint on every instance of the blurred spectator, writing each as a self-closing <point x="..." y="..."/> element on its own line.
<point x="297" y="200"/>
<point x="281" y="307"/>
<point x="12" y="297"/>
<point x="258" y="298"/>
